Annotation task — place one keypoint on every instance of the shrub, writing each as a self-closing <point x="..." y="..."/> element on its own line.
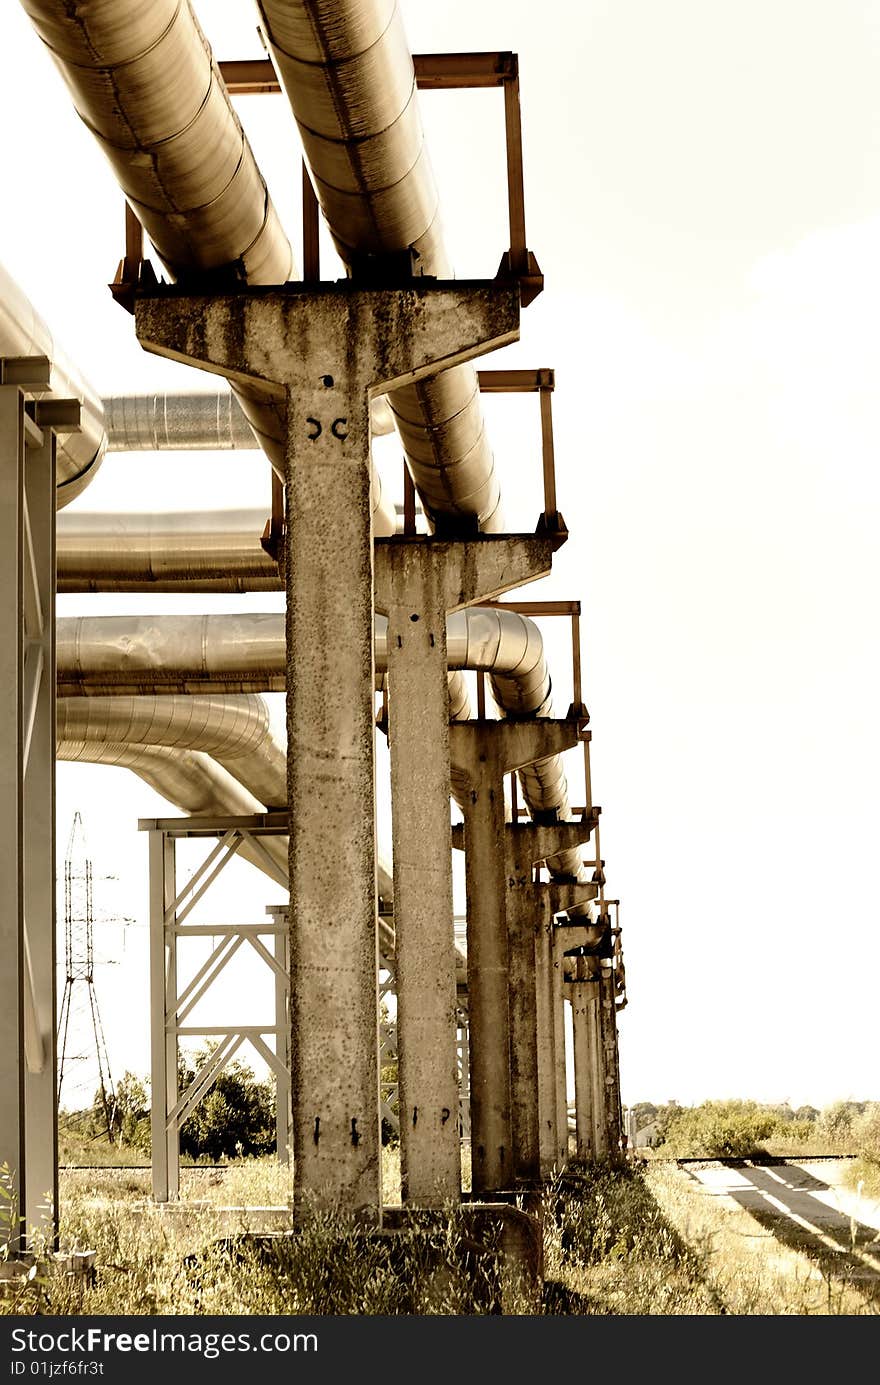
<point x="719" y="1129"/>
<point x="866" y="1133"/>
<point x="836" y="1120"/>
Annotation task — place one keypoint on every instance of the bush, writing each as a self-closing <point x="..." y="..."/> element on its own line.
<point x="719" y="1130"/>
<point x="836" y="1121"/>
<point x="866" y="1133"/>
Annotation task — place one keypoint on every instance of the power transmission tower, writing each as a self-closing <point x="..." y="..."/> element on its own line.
<point x="82" y="1049"/>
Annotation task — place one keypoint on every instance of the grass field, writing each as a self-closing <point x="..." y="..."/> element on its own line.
<point x="636" y="1241"/>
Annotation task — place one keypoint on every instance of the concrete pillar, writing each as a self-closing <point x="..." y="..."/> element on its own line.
<point x="418" y="581"/>
<point x="486" y="751"/>
<point x="560" y="1071"/>
<point x="584" y="1004"/>
<point x="531" y="907"/>
<point x="320" y="354"/>
<point x="601" y="1145"/>
<point x="611" y="1082"/>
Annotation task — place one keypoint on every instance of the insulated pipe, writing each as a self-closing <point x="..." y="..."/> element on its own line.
<point x="200" y="551"/>
<point x="189" y="779"/>
<point x="233" y="653"/>
<point x="199" y="421"/>
<point x="144" y="81"/>
<point x="221" y="726"/>
<point x="346" y="68"/>
<point x="24" y="333"/>
<point x="187" y="776"/>
<point x="234" y="731"/>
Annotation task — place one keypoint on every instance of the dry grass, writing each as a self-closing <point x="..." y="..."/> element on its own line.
<point x="750" y="1269"/>
<point x="644" y="1240"/>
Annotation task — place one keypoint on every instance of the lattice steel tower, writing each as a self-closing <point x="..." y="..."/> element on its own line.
<point x="82" y="1049"/>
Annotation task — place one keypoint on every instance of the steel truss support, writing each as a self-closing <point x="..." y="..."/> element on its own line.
<point x="170" y="925"/>
<point x="28" y="1101"/>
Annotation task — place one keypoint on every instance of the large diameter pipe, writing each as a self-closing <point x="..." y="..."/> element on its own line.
<point x="237" y="653"/>
<point x="196" y="421"/>
<point x="346" y="68"/>
<point x="143" y="79"/>
<point x="24" y="333"/>
<point x="189" y="779"/>
<point x="201" y="551"/>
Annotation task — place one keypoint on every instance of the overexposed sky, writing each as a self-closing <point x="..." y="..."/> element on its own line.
<point x="703" y="195"/>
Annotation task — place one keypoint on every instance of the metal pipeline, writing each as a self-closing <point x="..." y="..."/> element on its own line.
<point x="144" y="81"/>
<point x="115" y="655"/>
<point x="189" y="779"/>
<point x="205" y="754"/>
<point x="218" y="550"/>
<point x="346" y="68"/>
<point x="200" y="421"/>
<point x="24" y="333"/>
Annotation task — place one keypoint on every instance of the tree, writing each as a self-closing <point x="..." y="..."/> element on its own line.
<point x="719" y="1129"/>
<point x="237" y="1116"/>
<point x="131" y="1120"/>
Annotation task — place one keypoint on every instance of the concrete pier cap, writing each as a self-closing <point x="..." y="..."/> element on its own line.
<point x="266" y="335"/>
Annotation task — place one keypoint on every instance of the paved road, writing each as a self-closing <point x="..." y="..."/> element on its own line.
<point x="806" y="1206"/>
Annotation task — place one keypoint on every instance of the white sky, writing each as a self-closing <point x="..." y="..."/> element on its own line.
<point x="703" y="195"/>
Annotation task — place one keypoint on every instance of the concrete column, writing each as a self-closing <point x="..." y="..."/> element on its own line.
<point x="584" y="1001"/>
<point x="548" y="1135"/>
<point x="13" y="969"/>
<point x="486" y="751"/>
<point x="560" y="1072"/>
<point x="418" y="581"/>
<point x="321" y="353"/>
<point x="531" y="909"/>
<point x="608" y="1031"/>
<point x="597" y="1069"/>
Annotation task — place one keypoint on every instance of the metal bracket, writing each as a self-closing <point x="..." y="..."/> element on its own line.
<point x="433" y="72"/>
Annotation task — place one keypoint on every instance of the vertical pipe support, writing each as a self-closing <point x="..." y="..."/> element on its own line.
<point x="418" y="581"/>
<point x="324" y="352"/>
<point x="486" y="751"/>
